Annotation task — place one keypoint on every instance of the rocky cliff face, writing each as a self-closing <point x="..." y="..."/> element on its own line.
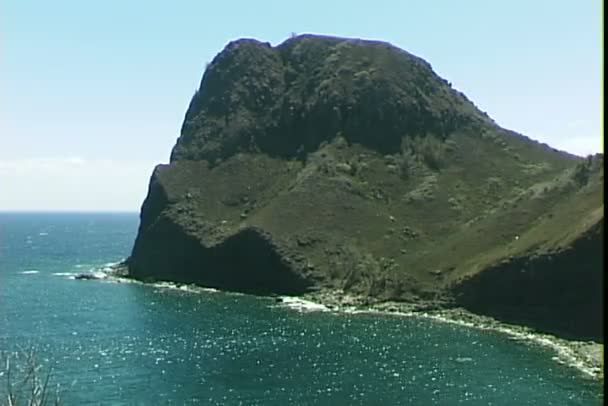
<point x="559" y="291"/>
<point x="286" y="101"/>
<point x="335" y="163"/>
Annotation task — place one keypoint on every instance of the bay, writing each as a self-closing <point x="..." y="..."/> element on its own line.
<point x="134" y="344"/>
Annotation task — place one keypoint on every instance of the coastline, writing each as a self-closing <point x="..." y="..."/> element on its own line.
<point x="585" y="356"/>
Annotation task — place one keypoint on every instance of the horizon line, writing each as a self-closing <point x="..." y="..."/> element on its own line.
<point x="67" y="211"/>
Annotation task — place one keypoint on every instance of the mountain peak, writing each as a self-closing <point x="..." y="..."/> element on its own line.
<point x="309" y="89"/>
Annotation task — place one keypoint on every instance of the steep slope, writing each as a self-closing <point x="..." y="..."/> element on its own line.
<point x="334" y="163"/>
<point x="551" y="276"/>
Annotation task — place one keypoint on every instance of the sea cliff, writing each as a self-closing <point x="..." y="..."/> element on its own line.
<point x="331" y="163"/>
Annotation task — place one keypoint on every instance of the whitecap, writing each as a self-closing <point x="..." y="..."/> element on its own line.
<point x="64" y="274"/>
<point x="31" y="272"/>
<point x="42" y="234"/>
<point x="463" y="359"/>
<point x="302" y="305"/>
<point x="165" y="285"/>
<point x="100" y="275"/>
<point x="192" y="289"/>
<point x="178" y="286"/>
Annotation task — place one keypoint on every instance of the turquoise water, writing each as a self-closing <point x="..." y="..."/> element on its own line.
<point x="132" y="344"/>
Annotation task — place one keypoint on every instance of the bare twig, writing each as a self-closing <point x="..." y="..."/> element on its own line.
<point x="25" y="380"/>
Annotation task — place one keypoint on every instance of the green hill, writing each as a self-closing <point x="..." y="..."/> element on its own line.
<point x="349" y="164"/>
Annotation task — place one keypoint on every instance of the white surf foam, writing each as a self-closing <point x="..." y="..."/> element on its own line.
<point x="100" y="274"/>
<point x="183" y="287"/>
<point x="30" y="272"/>
<point x="564" y="353"/>
<point x="302" y="305"/>
<point x="463" y="359"/>
<point x="108" y="266"/>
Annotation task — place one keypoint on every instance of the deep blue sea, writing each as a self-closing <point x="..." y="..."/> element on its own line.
<point x="111" y="343"/>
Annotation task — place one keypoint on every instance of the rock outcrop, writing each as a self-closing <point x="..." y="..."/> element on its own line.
<point x="338" y="163"/>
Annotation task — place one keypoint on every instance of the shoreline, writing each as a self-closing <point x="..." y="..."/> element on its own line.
<point x="585" y="356"/>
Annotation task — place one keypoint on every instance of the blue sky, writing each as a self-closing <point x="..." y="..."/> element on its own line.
<point x="93" y="93"/>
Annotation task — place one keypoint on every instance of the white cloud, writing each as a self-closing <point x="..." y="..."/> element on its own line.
<point x="73" y="183"/>
<point x="75" y="160"/>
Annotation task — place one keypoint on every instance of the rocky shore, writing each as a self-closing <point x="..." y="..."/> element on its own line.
<point x="586" y="356"/>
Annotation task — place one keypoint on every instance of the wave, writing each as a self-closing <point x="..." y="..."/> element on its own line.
<point x="105" y="267"/>
<point x="30" y="272"/>
<point x="100" y="274"/>
<point x="182" y="287"/>
<point x="463" y="359"/>
<point x="302" y="305"/>
<point x="64" y="274"/>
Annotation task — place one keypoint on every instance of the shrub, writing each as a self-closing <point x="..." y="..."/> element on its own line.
<point x="581" y="173"/>
<point x="25" y="382"/>
<point x="429" y="149"/>
<point x="405" y="163"/>
<point x="432" y="152"/>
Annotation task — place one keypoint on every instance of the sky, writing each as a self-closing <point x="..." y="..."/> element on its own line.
<point x="93" y="93"/>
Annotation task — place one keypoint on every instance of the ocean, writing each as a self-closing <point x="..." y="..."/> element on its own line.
<point x="111" y="343"/>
